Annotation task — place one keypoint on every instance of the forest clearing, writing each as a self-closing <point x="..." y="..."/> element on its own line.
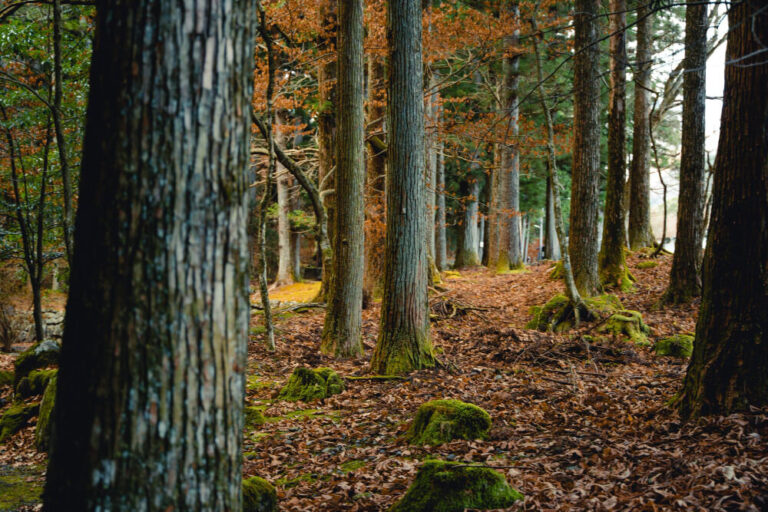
<point x="401" y="255"/>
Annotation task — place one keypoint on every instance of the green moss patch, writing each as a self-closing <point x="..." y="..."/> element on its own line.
<point x="647" y="264"/>
<point x="557" y="272"/>
<point x="259" y="495"/>
<point x="44" y="419"/>
<point x="311" y="384"/>
<point x="557" y="314"/>
<point x="679" y="345"/>
<point x="441" y="421"/>
<point x="16" y="418"/>
<point x="627" y="323"/>
<point x="39" y="355"/>
<point x="34" y="383"/>
<point x="6" y="378"/>
<point x="20" y="487"/>
<point x="253" y="417"/>
<point x="352" y="465"/>
<point x="453" y="487"/>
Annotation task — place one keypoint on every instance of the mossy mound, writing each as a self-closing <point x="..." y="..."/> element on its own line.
<point x="34" y="383"/>
<point x="20" y="487"/>
<point x="453" y="487"/>
<point x="647" y="264"/>
<point x="43" y="427"/>
<point x="627" y="323"/>
<point x="311" y="384"/>
<point x="16" y="418"/>
<point x="259" y="495"/>
<point x="39" y="355"/>
<point x="557" y="314"/>
<point x="557" y="272"/>
<point x="253" y="417"/>
<point x="6" y="379"/>
<point x="679" y="345"/>
<point x="442" y="421"/>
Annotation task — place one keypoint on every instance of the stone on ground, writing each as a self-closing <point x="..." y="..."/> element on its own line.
<point x="259" y="495"/>
<point x="679" y="345"/>
<point x="34" y="383"/>
<point x="453" y="487"/>
<point x="16" y="418"/>
<point x="39" y="355"/>
<point x="44" y="419"/>
<point x="311" y="384"/>
<point x="442" y="421"/>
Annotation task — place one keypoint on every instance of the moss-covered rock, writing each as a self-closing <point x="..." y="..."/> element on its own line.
<point x="39" y="355"/>
<point x="647" y="264"/>
<point x="20" y="486"/>
<point x="45" y="417"/>
<point x="6" y="378"/>
<point x="253" y="417"/>
<point x="259" y="495"/>
<point x="453" y="487"/>
<point x="311" y="384"/>
<point x="627" y="323"/>
<point x="34" y="383"/>
<point x="679" y="345"/>
<point x="16" y="418"/>
<point x="441" y="421"/>
<point x="557" y="314"/>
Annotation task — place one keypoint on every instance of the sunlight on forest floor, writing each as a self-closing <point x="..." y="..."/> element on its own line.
<point x="297" y="292"/>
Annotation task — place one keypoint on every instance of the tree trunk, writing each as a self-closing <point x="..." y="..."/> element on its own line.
<point x="640" y="232"/>
<point x="466" y="248"/>
<point x="404" y="341"/>
<point x="342" y="332"/>
<point x="491" y="253"/>
<point x="151" y="382"/>
<point x="551" y="243"/>
<point x="441" y="243"/>
<point x="612" y="262"/>
<point x="283" y="180"/>
<point x="730" y="354"/>
<point x="685" y="278"/>
<point x="583" y="242"/>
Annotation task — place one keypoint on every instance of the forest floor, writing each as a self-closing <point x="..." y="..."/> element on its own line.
<point x="576" y="425"/>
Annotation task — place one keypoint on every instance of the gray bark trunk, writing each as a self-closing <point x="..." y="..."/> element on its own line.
<point x="151" y="383"/>
<point x="441" y="243"/>
<point x="551" y="243"/>
<point x="583" y="241"/>
<point x="404" y="340"/>
<point x="342" y="334"/>
<point x="283" y="180"/>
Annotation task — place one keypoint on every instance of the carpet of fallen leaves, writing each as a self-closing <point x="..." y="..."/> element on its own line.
<point x="576" y="426"/>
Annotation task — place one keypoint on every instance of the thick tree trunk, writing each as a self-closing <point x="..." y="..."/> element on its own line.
<point x="551" y="243"/>
<point x="685" y="278"/>
<point x="441" y="243"/>
<point x="151" y="383"/>
<point x="283" y="180"/>
<point x="491" y="254"/>
<point x="727" y="372"/>
<point x="404" y="341"/>
<point x="640" y="232"/>
<point x="612" y="262"/>
<point x="431" y="165"/>
<point x="466" y="247"/>
<point x="342" y="332"/>
<point x="583" y="243"/>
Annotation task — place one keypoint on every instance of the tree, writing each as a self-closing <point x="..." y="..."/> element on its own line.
<point x="151" y="382"/>
<point x="612" y="262"/>
<point x="730" y="351"/>
<point x="342" y="334"/>
<point x="404" y="342"/>
<point x="283" y="182"/>
<point x="640" y="232"/>
<point x="586" y="148"/>
<point x="685" y="277"/>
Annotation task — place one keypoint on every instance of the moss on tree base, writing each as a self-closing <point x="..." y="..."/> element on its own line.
<point x="442" y="421"/>
<point x="557" y="314"/>
<point x="453" y="487"/>
<point x="259" y="495"/>
<point x="679" y="345"/>
<point x="627" y="323"/>
<point x="311" y="384"/>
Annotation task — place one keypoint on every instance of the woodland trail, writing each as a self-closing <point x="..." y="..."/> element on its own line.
<point x="575" y="426"/>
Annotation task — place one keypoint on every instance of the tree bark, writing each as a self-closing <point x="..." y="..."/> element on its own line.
<point x="441" y="243"/>
<point x="404" y="340"/>
<point x="466" y="243"/>
<point x="685" y="278"/>
<point x="342" y="332"/>
<point x="283" y="181"/>
<point x="640" y="232"/>
<point x="612" y="262"/>
<point x="551" y="243"/>
<point x="151" y="381"/>
<point x="583" y="242"/>
<point x="730" y="354"/>
<point x="491" y="253"/>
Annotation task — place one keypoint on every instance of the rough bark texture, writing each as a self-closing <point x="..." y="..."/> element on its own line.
<point x="640" y="232"/>
<point x="685" y="278"/>
<point x="431" y="165"/>
<point x="441" y="243"/>
<point x="583" y="243"/>
<point x="151" y="383"/>
<point x="612" y="262"/>
<point x="467" y="238"/>
<point x="491" y="254"/>
<point x="727" y="371"/>
<point x="342" y="334"/>
<point x="404" y="342"/>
